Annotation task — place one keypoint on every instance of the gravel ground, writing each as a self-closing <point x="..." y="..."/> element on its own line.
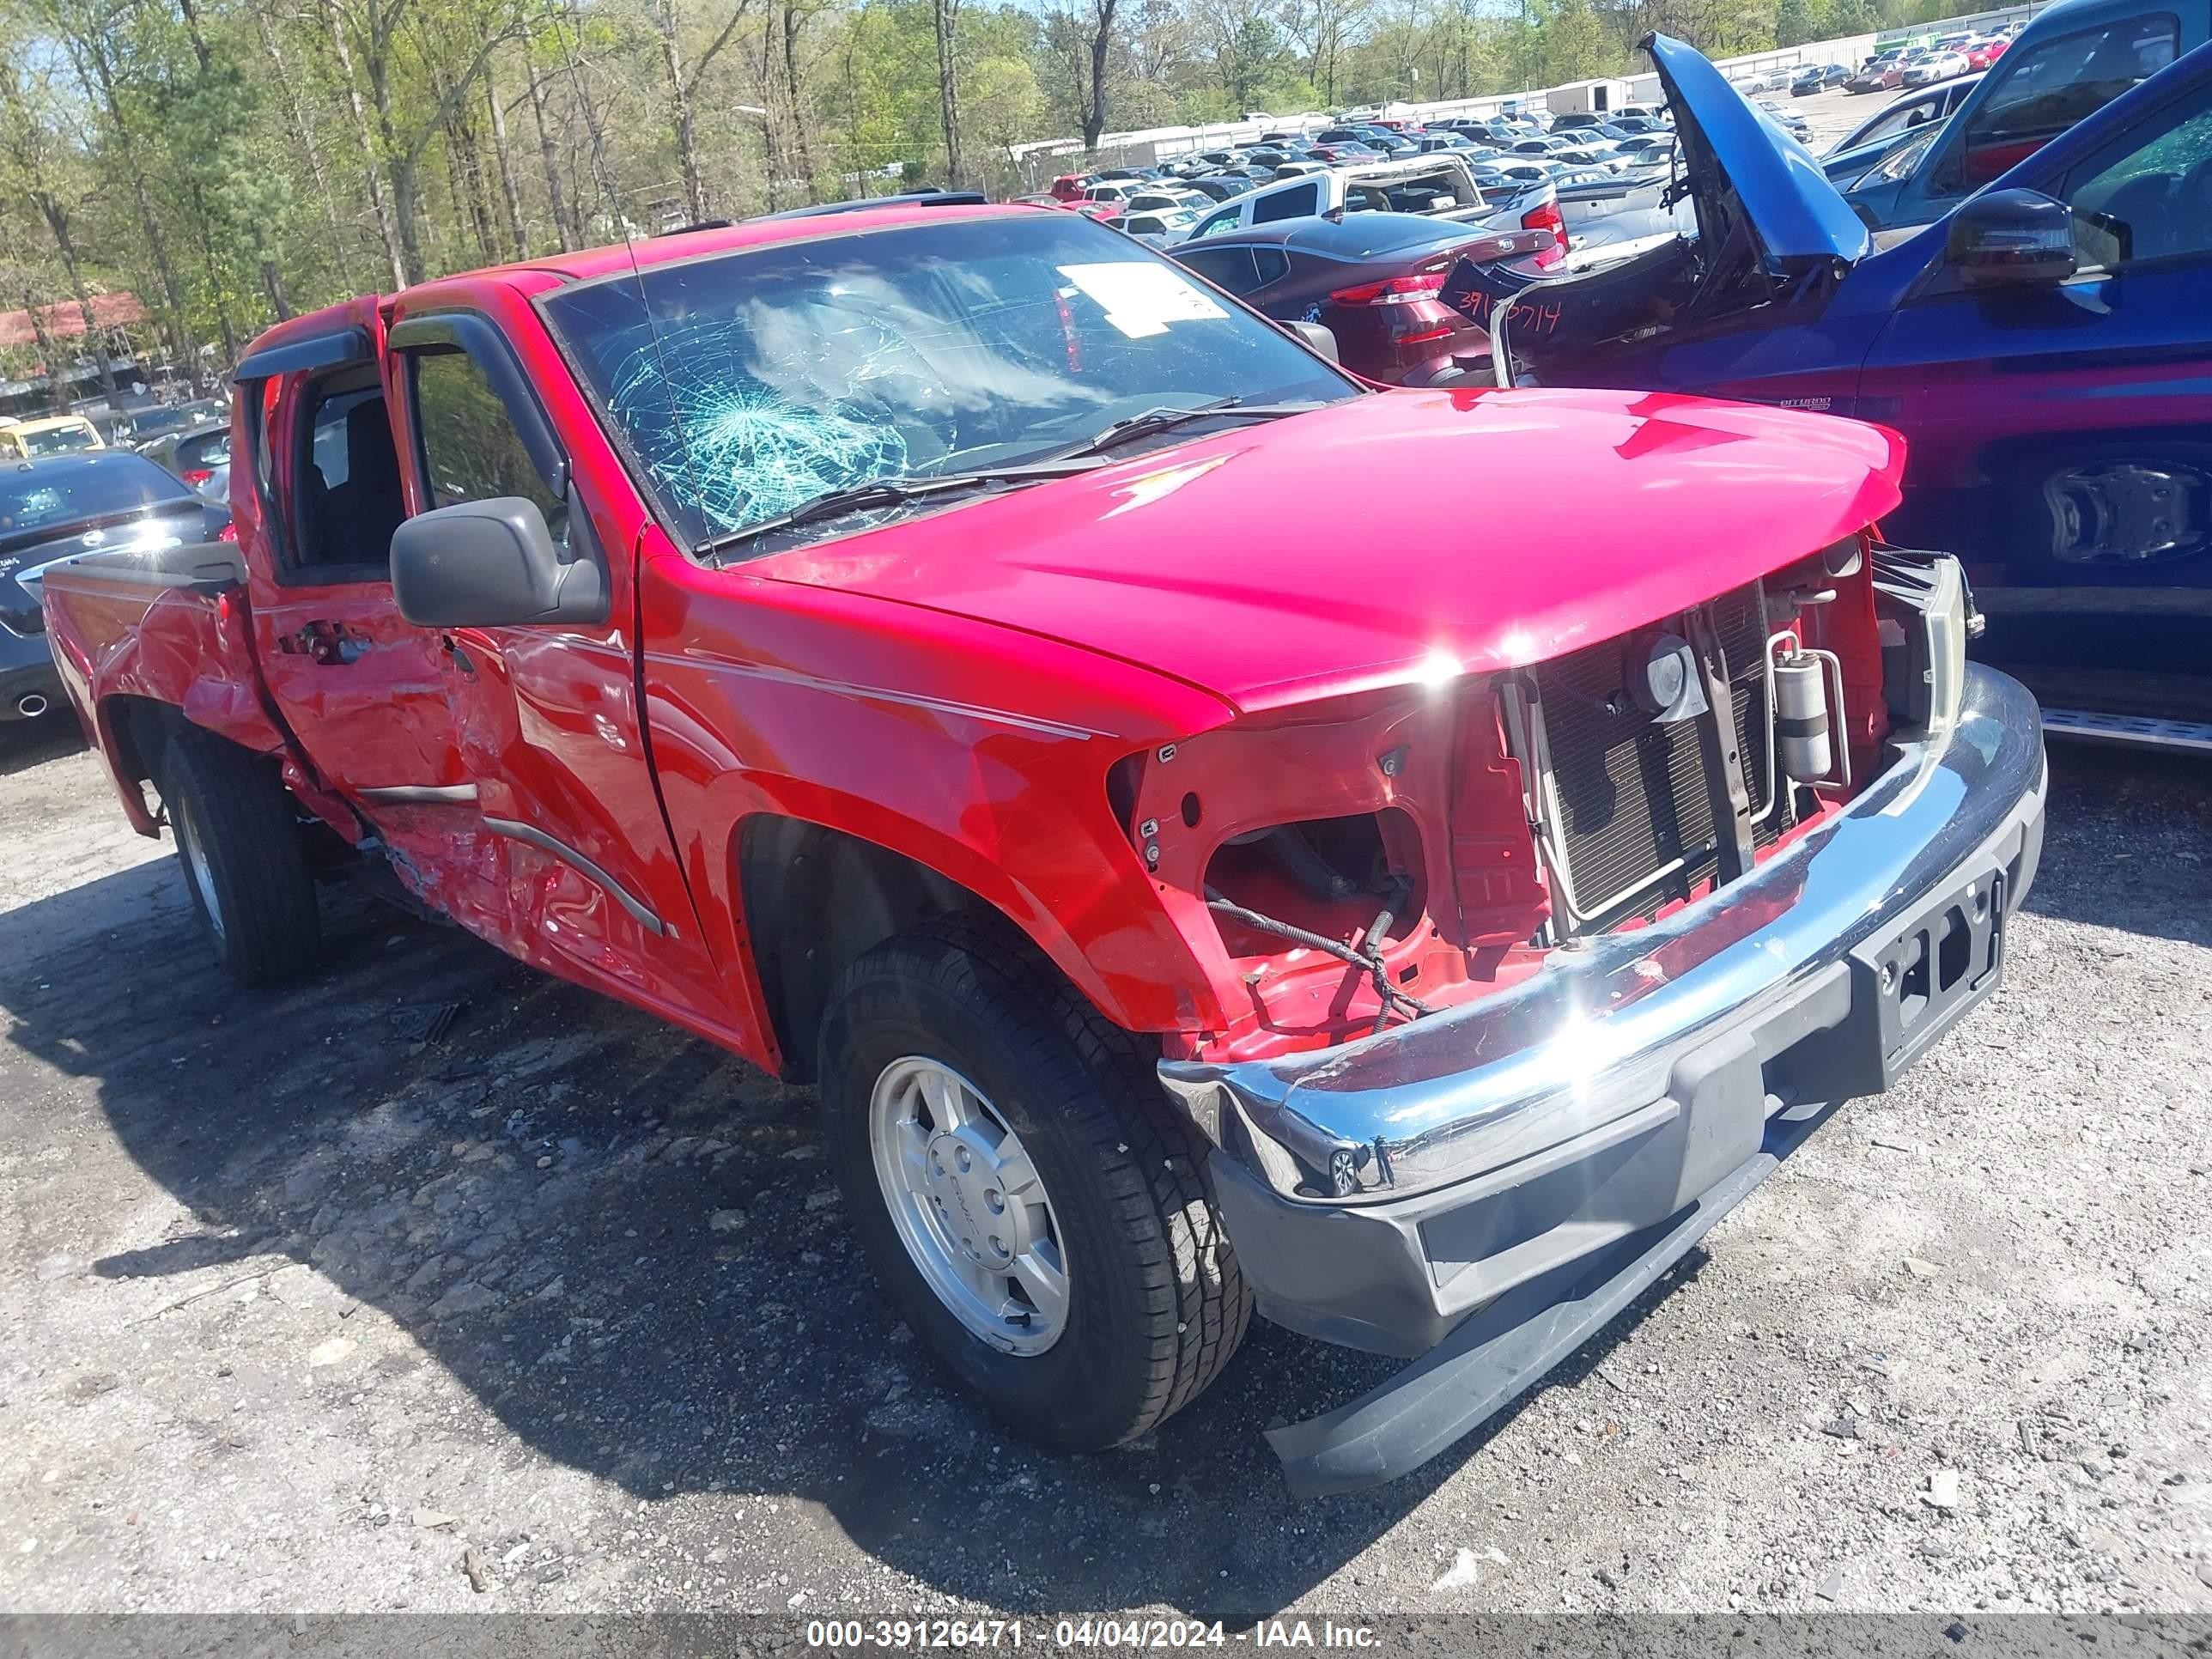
<point x="300" y="1307"/>
<point x="1832" y="114"/>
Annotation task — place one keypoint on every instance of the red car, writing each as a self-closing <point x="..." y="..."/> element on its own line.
<point x="1374" y="280"/>
<point x="1070" y="186"/>
<point x="1105" y="212"/>
<point x="1980" y="54"/>
<point x="1216" y="836"/>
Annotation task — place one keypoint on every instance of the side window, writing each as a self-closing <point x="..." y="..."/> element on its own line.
<point x="1227" y="268"/>
<point x="345" y="497"/>
<point x="2149" y="196"/>
<point x="1903" y="161"/>
<point x="1227" y="219"/>
<point x="2041" y="92"/>
<point x="1273" y="265"/>
<point x="469" y="446"/>
<point x="1296" y="203"/>
<point x="209" y="449"/>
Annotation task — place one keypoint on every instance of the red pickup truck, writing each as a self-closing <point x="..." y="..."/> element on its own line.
<point x="1216" y="833"/>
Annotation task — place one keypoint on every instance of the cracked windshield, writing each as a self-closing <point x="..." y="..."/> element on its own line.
<point x="749" y="383"/>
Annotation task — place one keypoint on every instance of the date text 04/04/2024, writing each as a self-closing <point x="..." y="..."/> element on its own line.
<point x="1110" y="1633"/>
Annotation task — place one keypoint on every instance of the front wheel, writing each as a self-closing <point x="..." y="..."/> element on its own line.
<point x="1025" y="1191"/>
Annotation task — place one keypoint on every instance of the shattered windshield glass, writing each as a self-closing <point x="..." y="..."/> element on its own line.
<point x="746" y="384"/>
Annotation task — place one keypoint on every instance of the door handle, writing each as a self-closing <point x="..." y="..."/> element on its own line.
<point x="327" y="643"/>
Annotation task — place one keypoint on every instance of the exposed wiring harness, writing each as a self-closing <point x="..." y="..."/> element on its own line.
<point x="1367" y="956"/>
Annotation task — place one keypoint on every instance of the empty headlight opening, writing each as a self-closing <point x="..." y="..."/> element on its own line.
<point x="1344" y="887"/>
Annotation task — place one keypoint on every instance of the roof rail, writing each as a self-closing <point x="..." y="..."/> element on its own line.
<point x="928" y="196"/>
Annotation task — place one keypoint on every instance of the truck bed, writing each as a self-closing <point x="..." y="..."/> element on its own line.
<point x="162" y="625"/>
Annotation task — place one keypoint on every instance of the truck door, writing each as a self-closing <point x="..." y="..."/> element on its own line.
<point x="2061" y="431"/>
<point x="572" y="868"/>
<point x="360" y="687"/>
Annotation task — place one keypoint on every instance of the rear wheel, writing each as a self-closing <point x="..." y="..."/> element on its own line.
<point x="1024" y="1190"/>
<point x="244" y="865"/>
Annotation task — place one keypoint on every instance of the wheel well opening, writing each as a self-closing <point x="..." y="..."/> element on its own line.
<point x="815" y="900"/>
<point x="140" y="728"/>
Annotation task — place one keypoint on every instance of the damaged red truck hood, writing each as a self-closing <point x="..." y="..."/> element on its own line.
<point x="1400" y="536"/>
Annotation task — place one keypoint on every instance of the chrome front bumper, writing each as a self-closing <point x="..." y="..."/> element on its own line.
<point x="1481" y="1145"/>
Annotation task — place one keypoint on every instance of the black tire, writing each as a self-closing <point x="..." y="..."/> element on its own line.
<point x="1156" y="1305"/>
<point x="250" y="884"/>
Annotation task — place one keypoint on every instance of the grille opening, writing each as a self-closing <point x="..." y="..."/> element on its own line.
<point x="1624" y="797"/>
<point x="1329" y="876"/>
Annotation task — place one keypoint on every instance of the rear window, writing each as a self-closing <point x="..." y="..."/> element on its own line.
<point x="58" y="441"/>
<point x="112" y="482"/>
<point x="207" y="449"/>
<point x="155" y="423"/>
<point x="1437" y="191"/>
<point x="1294" y="203"/>
<point x="1899" y="118"/>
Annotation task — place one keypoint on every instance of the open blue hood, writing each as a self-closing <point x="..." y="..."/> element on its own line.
<point x="1741" y="166"/>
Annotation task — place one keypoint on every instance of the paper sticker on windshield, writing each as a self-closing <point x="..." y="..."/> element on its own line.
<point x="1141" y="298"/>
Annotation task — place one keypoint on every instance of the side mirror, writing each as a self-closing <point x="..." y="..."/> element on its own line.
<point x="2010" y="239"/>
<point x="490" y="564"/>
<point x="1317" y="338"/>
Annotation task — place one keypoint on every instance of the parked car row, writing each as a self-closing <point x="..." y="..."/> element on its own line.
<point x="1897" y="67"/>
<point x="1506" y="158"/>
<point x="190" y="440"/>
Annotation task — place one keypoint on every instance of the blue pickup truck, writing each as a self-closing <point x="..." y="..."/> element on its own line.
<point x="2045" y="348"/>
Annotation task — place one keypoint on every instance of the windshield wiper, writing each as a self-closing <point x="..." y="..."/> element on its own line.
<point x="1153" y="421"/>
<point x="895" y="491"/>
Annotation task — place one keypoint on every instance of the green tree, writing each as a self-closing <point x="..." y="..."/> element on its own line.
<point x="1796" y="21"/>
<point x="1850" y="17"/>
<point x="1575" y="47"/>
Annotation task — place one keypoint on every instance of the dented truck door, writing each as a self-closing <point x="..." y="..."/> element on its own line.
<point x="359" y="686"/>
<point x="569" y="862"/>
